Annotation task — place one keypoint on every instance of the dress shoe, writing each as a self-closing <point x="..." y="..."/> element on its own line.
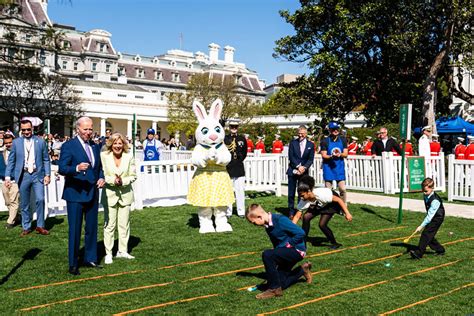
<point x="307" y="271"/>
<point x="441" y="253"/>
<point x="335" y="246"/>
<point x="74" y="270"/>
<point x="92" y="265"/>
<point x="25" y="232"/>
<point x="9" y="226"/>
<point x="270" y="293"/>
<point x="42" y="231"/>
<point x="124" y="255"/>
<point x="414" y="255"/>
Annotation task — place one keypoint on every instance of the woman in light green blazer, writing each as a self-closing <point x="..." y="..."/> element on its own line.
<point x="117" y="196"/>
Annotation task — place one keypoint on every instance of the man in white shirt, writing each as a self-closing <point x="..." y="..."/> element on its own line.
<point x="424" y="142"/>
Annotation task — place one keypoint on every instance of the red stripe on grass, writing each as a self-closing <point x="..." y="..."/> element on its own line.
<point x="318" y="299"/>
<point x="426" y="299"/>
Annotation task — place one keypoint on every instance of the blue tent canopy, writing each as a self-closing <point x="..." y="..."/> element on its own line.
<point x="452" y="125"/>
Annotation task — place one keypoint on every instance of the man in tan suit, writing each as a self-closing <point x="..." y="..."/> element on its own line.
<point x="11" y="194"/>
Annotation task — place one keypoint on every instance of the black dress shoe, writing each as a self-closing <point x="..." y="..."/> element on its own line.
<point x="74" y="270"/>
<point x="335" y="246"/>
<point x="414" y="255"/>
<point x="92" y="265"/>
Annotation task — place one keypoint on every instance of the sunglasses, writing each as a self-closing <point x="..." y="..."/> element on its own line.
<point x="26" y="129"/>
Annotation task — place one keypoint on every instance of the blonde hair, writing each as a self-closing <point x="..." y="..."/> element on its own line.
<point x="254" y="210"/>
<point x="428" y="182"/>
<point x="113" y="138"/>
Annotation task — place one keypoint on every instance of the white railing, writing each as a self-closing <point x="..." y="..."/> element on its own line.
<point x="434" y="168"/>
<point x="263" y="173"/>
<point x="364" y="173"/>
<point x="460" y="179"/>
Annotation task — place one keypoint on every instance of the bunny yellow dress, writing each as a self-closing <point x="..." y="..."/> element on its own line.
<point x="211" y="186"/>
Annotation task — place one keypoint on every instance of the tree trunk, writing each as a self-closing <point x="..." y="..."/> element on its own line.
<point x="429" y="91"/>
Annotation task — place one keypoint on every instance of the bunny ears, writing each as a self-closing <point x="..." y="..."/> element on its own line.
<point x="214" y="112"/>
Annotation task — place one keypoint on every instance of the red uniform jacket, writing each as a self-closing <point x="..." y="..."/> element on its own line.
<point x="352" y="148"/>
<point x="367" y="149"/>
<point x="459" y="151"/>
<point x="277" y="147"/>
<point x="435" y="148"/>
<point x="469" y="153"/>
<point x="260" y="145"/>
<point x="408" y="149"/>
<point x="250" y="145"/>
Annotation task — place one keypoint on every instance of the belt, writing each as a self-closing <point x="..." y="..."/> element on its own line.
<point x="26" y="169"/>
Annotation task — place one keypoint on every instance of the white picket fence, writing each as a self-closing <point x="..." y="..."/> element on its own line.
<point x="166" y="182"/>
<point x="460" y="179"/>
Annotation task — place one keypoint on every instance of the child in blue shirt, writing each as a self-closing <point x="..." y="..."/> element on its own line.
<point x="432" y="222"/>
<point x="288" y="241"/>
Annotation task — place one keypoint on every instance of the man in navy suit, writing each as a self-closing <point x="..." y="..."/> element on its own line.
<point x="301" y="156"/>
<point x="29" y="165"/>
<point x="80" y="164"/>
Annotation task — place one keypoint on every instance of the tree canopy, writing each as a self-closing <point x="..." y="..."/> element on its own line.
<point x="377" y="54"/>
<point x="206" y="89"/>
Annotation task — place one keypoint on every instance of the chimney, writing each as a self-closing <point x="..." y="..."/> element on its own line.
<point x="229" y="54"/>
<point x="213" y="52"/>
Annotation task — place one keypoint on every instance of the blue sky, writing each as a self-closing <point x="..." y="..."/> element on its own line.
<point x="151" y="27"/>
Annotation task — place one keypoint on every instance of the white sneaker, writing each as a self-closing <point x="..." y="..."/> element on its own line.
<point x="108" y="259"/>
<point x="124" y="255"/>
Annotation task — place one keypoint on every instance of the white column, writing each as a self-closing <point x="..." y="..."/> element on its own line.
<point x="129" y="129"/>
<point x="102" y="126"/>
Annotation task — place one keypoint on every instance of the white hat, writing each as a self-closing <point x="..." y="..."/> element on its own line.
<point x="470" y="137"/>
<point x="427" y="127"/>
<point x="461" y="139"/>
<point x="277" y="135"/>
<point x="233" y="121"/>
<point x="260" y="137"/>
<point x="354" y="138"/>
<point x="434" y="135"/>
<point x="368" y="137"/>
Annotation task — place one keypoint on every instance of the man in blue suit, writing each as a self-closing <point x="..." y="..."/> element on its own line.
<point x="28" y="163"/>
<point x="300" y="156"/>
<point x="80" y="164"/>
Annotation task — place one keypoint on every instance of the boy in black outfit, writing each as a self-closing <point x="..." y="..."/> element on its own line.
<point x="432" y="222"/>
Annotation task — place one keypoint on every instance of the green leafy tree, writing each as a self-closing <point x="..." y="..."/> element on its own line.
<point x="376" y="54"/>
<point x="206" y="89"/>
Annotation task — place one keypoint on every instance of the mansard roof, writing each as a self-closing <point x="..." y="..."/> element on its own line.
<point x="34" y="13"/>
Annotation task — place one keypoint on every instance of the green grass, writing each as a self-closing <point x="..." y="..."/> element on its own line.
<point x="164" y="237"/>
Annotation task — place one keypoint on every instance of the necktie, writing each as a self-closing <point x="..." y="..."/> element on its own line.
<point x="30" y="159"/>
<point x="89" y="154"/>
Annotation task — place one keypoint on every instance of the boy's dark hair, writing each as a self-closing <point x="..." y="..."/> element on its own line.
<point x="306" y="184"/>
<point x="8" y="136"/>
<point x="428" y="182"/>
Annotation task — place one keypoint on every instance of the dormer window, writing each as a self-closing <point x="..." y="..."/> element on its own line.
<point x="102" y="47"/>
<point x="137" y="58"/>
<point x="66" y="44"/>
<point x="140" y="73"/>
<point x="158" y="75"/>
<point x="156" y="61"/>
<point x="173" y="63"/>
<point x="176" y="77"/>
<point x="238" y="79"/>
<point x="121" y="71"/>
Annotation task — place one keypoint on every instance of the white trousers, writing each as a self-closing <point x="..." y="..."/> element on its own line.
<point x="239" y="190"/>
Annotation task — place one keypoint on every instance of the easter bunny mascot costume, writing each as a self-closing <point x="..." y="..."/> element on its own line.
<point x="211" y="187"/>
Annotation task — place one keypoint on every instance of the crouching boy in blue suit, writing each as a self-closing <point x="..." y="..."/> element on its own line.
<point x="288" y="240"/>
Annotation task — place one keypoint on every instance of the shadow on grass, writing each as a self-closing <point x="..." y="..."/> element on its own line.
<point x="53" y="221"/>
<point x="29" y="255"/>
<point x="260" y="275"/>
<point x="317" y="241"/>
<point x="254" y="195"/>
<point x="133" y="242"/>
<point x="370" y="211"/>
<point x="193" y="221"/>
<point x="408" y="247"/>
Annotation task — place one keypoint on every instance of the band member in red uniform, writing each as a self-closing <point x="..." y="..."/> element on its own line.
<point x="408" y="148"/>
<point x="435" y="146"/>
<point x="353" y="147"/>
<point x="260" y="145"/>
<point x="469" y="153"/>
<point x="277" y="146"/>
<point x="460" y="149"/>
<point x="367" y="146"/>
<point x="250" y="146"/>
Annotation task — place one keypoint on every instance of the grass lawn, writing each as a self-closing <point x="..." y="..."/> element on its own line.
<point x="179" y="271"/>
